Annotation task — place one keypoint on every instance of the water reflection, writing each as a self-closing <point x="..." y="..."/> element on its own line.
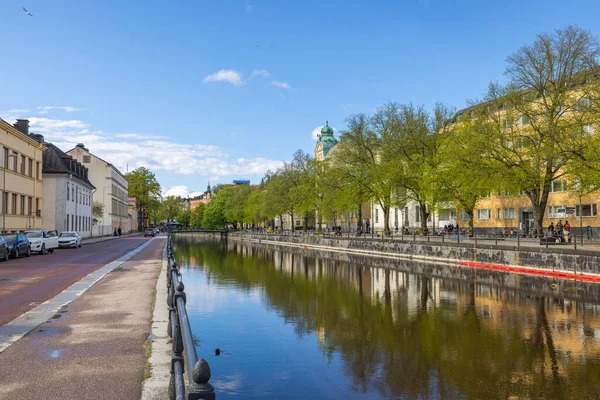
<point x="433" y="332"/>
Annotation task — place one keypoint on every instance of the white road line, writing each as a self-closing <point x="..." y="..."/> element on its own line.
<point x="23" y="324"/>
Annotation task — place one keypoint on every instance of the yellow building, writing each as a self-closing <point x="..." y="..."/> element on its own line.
<point x="22" y="185"/>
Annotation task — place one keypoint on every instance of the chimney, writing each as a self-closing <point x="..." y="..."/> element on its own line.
<point x="81" y="146"/>
<point x="22" y="126"/>
<point x="37" y="137"/>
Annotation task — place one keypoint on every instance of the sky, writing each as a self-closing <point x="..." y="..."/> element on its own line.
<point x="205" y="91"/>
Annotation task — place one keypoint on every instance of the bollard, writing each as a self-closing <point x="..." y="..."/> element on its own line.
<point x="200" y="389"/>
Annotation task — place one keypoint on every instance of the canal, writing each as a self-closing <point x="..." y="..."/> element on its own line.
<point x="293" y="323"/>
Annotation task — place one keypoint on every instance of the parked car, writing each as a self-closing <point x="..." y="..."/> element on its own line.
<point x="17" y="245"/>
<point x="42" y="241"/>
<point x="3" y="250"/>
<point x="149" y="232"/>
<point x="69" y="239"/>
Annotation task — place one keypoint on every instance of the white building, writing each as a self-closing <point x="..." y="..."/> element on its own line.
<point x="410" y="216"/>
<point x="111" y="190"/>
<point x="68" y="192"/>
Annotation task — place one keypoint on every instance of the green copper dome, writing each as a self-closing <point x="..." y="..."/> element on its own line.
<point x="327" y="138"/>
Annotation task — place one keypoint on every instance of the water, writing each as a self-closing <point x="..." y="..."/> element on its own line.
<point x="296" y="324"/>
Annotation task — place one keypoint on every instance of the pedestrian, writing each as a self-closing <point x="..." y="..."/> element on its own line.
<point x="589" y="232"/>
<point x="567" y="227"/>
<point x="559" y="229"/>
<point x="551" y="229"/>
<point x="115" y="233"/>
<point x="119" y="231"/>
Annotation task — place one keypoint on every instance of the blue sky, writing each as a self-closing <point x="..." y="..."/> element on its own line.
<point x="139" y="82"/>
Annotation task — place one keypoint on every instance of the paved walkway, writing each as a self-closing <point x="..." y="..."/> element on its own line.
<point x="94" y="346"/>
<point x="105" y="238"/>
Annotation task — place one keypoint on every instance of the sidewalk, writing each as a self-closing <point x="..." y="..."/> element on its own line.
<point x="93" y="347"/>
<point x="92" y="240"/>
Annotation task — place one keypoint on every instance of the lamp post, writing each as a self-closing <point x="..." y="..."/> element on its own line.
<point x="103" y="205"/>
<point x="4" y="205"/>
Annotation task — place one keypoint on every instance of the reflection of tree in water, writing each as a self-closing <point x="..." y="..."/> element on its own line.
<point x="433" y="353"/>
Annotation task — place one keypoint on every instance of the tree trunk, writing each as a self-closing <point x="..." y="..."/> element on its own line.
<point x="424" y="216"/>
<point x="471" y="215"/>
<point x="359" y="222"/>
<point x="386" y="221"/>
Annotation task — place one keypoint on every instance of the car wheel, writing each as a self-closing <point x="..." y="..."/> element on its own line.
<point x="51" y="251"/>
<point x="43" y="250"/>
<point x="17" y="255"/>
<point x="28" y="251"/>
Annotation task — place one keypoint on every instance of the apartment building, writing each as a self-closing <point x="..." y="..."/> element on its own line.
<point x="111" y="191"/>
<point x="22" y="184"/>
<point x="67" y="190"/>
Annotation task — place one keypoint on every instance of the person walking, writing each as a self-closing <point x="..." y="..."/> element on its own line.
<point x="559" y="229"/>
<point x="115" y="233"/>
<point x="589" y="232"/>
<point x="551" y="229"/>
<point x="119" y="231"/>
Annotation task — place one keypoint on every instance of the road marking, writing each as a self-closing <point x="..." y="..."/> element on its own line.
<point x="25" y="323"/>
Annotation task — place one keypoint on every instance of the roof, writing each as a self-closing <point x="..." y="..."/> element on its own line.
<point x="9" y="128"/>
<point x="56" y="161"/>
<point x="101" y="159"/>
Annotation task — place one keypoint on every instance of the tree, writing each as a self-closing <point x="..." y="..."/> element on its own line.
<point x="214" y="214"/>
<point x="184" y="218"/>
<point x="235" y="205"/>
<point x="97" y="209"/>
<point x="171" y="207"/>
<point x="145" y="188"/>
<point x="535" y="126"/>
<point x="197" y="215"/>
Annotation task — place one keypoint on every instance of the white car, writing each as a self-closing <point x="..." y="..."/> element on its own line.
<point x="42" y="241"/>
<point x="69" y="239"/>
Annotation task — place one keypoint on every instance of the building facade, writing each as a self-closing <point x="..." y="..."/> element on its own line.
<point x="111" y="191"/>
<point x="22" y="183"/>
<point x="132" y="212"/>
<point x="68" y="192"/>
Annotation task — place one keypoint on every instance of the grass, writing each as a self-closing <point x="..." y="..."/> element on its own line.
<point x="148" y="366"/>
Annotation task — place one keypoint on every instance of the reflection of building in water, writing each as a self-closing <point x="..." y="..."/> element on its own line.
<point x="325" y="343"/>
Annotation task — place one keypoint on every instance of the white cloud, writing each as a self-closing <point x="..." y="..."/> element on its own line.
<point x="249" y="8"/>
<point x="180" y="191"/>
<point x="18" y="111"/>
<point x="316" y="132"/>
<point x="42" y="125"/>
<point x="226" y="75"/>
<point x="261" y="72"/>
<point x="281" y="85"/>
<point x="47" y="109"/>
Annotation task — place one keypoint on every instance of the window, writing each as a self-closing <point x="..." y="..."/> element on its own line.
<point x="557" y="211"/>
<point x="405" y="216"/>
<point x="588" y="129"/>
<point x="29" y="205"/>
<point x="507" y="123"/>
<point x="22" y="208"/>
<point x="417" y="214"/>
<point x="68" y="191"/>
<point x="30" y="170"/>
<point x="73" y="192"/>
<point x="37" y="207"/>
<point x="483" y="214"/>
<point x="37" y="171"/>
<point x="586" y="210"/>
<point x="558" y="186"/>
<point x="582" y="104"/>
<point x="464" y="216"/>
<point x="4" y="157"/>
<point x="13" y="163"/>
<point x="87" y="159"/>
<point x="396" y="217"/>
<point x="498" y="213"/>
<point x="509" y="213"/>
<point x="67" y="223"/>
<point x="524" y="120"/>
<point x="22" y="164"/>
<point x="5" y="203"/>
<point x="13" y="206"/>
<point x="377" y="215"/>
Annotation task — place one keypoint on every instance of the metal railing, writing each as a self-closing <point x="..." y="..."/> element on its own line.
<point x="184" y="357"/>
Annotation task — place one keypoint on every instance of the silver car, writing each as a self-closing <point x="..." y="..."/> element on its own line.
<point x="69" y="239"/>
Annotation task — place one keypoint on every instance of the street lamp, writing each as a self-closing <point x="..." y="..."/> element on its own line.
<point x="4" y="205"/>
<point x="103" y="205"/>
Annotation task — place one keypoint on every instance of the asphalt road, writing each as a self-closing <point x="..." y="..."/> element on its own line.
<point x="28" y="281"/>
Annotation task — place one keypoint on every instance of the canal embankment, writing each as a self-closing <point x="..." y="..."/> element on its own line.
<point x="555" y="261"/>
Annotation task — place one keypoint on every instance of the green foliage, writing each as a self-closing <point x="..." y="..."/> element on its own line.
<point x="214" y="214"/>
<point x="170" y="208"/>
<point x="184" y="218"/>
<point x="97" y="209"/>
<point x="197" y="215"/>
<point x="146" y="189"/>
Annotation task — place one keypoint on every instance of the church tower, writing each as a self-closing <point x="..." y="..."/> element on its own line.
<point x="325" y="142"/>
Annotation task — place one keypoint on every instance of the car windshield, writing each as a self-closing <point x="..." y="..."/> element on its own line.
<point x="33" y="234"/>
<point x="10" y="238"/>
<point x="67" y="234"/>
